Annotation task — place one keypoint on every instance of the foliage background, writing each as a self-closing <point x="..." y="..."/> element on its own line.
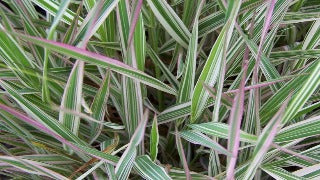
<point x="156" y="89"/>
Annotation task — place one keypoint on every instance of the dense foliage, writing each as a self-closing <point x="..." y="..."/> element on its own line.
<point x="160" y="89"/>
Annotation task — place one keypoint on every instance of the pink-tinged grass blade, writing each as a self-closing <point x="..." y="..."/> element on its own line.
<point x="265" y="29"/>
<point x="134" y="20"/>
<point x="236" y="113"/>
<point x="43" y="128"/>
<point x="29" y="164"/>
<point x="100" y="11"/>
<point x="265" y="141"/>
<point x="92" y="25"/>
<point x="69" y="36"/>
<point x="99" y="60"/>
<point x="72" y="95"/>
<point x="255" y="78"/>
<point x="263" y="84"/>
<point x="226" y="100"/>
<point x="131" y="90"/>
<point x="288" y="151"/>
<point x="235" y="123"/>
<point x="182" y="155"/>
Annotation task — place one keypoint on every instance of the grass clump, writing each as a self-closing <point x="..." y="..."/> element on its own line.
<point x="156" y="89"/>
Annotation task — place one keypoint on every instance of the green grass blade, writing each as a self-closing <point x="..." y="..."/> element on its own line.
<point x="310" y="42"/>
<point x="210" y="71"/>
<point x="198" y="138"/>
<point x="80" y="146"/>
<point x="170" y="21"/>
<point x="294" y="54"/>
<point x="36" y="167"/>
<point x="149" y="170"/>
<point x="154" y="139"/>
<point x="16" y="59"/>
<point x="131" y="90"/>
<point x="71" y="98"/>
<point x="273" y="103"/>
<point x="40" y="115"/>
<point x="127" y="159"/>
<point x="52" y="7"/>
<point x="154" y="57"/>
<point x="311" y="172"/>
<point x="98" y="106"/>
<point x="279" y="173"/>
<point x="45" y="90"/>
<point x="304" y="93"/>
<point x="139" y="40"/>
<point x="221" y="130"/>
<point x="302" y="129"/>
<point x="188" y="78"/>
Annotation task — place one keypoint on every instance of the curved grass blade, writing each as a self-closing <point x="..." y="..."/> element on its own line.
<point x="40" y="115"/>
<point x="208" y="76"/>
<point x="16" y="59"/>
<point x="149" y="170"/>
<point x="71" y="98"/>
<point x="79" y="147"/>
<point x="135" y="19"/>
<point x="221" y="130"/>
<point x="311" y="41"/>
<point x="127" y="159"/>
<point x="36" y="167"/>
<point x="99" y="60"/>
<point x="199" y="138"/>
<point x="72" y="95"/>
<point x="69" y="36"/>
<point x="273" y="103"/>
<point x="211" y="23"/>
